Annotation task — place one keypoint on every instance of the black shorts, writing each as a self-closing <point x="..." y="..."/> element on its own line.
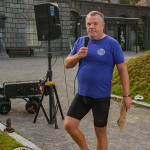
<point x="81" y="105"/>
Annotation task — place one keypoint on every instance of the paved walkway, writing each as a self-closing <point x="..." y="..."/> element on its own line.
<point x="136" y="136"/>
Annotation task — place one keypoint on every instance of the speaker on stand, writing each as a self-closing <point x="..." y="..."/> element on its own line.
<point x="48" y="28"/>
<point x="47" y="22"/>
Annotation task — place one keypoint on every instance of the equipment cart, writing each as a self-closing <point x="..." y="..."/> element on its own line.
<point x="27" y="90"/>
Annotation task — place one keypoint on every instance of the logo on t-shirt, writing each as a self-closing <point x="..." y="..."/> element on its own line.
<point x="101" y="51"/>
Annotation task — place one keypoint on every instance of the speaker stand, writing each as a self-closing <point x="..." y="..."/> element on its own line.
<point x="49" y="89"/>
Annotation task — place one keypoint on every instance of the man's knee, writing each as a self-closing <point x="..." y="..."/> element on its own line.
<point x="67" y="124"/>
<point x="100" y="123"/>
<point x="70" y="123"/>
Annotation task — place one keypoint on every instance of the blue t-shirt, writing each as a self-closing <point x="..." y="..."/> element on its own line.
<point x="96" y="69"/>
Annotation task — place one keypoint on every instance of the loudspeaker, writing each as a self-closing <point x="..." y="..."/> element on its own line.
<point x="47" y="21"/>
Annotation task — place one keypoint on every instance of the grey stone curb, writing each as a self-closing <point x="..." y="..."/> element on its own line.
<point x="134" y="101"/>
<point x="20" y="139"/>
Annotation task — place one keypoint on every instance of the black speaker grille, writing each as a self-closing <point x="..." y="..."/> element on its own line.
<point x="47" y="21"/>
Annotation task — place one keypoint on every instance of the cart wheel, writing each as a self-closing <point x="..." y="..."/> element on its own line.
<point x="32" y="106"/>
<point x="5" y="106"/>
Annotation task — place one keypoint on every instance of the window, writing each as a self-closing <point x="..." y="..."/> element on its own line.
<point x="31" y="34"/>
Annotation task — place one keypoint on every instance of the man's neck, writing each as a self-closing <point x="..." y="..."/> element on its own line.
<point x="98" y="38"/>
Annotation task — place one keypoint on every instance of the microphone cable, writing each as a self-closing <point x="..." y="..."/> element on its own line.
<point x="80" y="66"/>
<point x="66" y="81"/>
<point x="86" y="41"/>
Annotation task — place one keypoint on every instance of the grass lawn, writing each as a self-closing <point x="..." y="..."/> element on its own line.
<point x="7" y="142"/>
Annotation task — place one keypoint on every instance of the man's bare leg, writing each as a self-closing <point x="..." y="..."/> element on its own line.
<point x="72" y="127"/>
<point x="101" y="134"/>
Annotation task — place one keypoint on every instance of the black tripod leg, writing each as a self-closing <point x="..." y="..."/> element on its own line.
<point x="45" y="114"/>
<point x="40" y="105"/>
<point x="51" y="97"/>
<point x="58" y="102"/>
<point x="53" y="118"/>
<point x="38" y="108"/>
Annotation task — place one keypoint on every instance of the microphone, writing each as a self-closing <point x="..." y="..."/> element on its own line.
<point x="86" y="40"/>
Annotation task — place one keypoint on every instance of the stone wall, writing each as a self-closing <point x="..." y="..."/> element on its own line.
<point x="18" y="12"/>
<point x="2" y="26"/>
<point x="14" y="23"/>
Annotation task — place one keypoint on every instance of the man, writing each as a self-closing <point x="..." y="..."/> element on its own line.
<point x="96" y="64"/>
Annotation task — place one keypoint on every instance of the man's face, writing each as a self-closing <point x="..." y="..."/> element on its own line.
<point x="94" y="26"/>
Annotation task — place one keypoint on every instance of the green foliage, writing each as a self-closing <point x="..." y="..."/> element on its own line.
<point x="8" y="143"/>
<point x="139" y="70"/>
<point x="128" y="1"/>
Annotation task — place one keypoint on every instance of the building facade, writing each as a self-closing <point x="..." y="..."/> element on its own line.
<point x="130" y="25"/>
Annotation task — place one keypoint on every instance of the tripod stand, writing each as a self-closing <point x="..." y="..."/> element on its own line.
<point x="49" y="89"/>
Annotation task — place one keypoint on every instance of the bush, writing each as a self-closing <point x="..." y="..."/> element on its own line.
<point x="138" y="68"/>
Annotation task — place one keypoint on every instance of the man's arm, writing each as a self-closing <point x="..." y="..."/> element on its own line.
<point x="124" y="77"/>
<point x="72" y="60"/>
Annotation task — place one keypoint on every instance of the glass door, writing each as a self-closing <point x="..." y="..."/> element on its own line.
<point x="122" y="36"/>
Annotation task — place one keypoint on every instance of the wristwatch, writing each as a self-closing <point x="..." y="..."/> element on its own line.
<point x="126" y="95"/>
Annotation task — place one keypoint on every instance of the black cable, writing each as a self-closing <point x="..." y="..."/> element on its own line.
<point x="66" y="81"/>
<point x="54" y="61"/>
<point x="75" y="84"/>
<point x="80" y="66"/>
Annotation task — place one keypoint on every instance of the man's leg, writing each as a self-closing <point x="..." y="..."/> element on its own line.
<point x="100" y="110"/>
<point x="77" y="110"/>
<point x="101" y="134"/>
<point x="72" y="127"/>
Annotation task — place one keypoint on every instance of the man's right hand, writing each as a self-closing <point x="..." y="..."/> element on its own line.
<point x="82" y="52"/>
